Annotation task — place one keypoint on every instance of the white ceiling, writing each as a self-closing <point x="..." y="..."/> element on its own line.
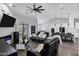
<point x="51" y="10"/>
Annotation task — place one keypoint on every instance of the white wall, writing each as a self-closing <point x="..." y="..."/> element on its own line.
<point x="22" y="19"/>
<point x="19" y="20"/>
<point x="56" y="23"/>
<point x="5" y="30"/>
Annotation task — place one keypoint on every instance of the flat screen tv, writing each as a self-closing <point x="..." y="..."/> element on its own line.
<point x="7" y="21"/>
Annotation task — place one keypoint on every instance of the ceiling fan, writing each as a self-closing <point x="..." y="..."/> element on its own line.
<point x="35" y="9"/>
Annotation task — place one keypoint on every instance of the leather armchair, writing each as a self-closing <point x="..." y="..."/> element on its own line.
<point x="69" y="37"/>
<point x="50" y="48"/>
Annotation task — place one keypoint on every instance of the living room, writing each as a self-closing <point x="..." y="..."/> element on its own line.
<point x="29" y="27"/>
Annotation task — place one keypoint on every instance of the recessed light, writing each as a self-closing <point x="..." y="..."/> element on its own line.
<point x="10" y="4"/>
<point x="61" y="6"/>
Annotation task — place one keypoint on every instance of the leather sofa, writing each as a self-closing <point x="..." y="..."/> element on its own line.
<point x="37" y="39"/>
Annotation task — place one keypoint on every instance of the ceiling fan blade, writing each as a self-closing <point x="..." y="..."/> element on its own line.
<point x="29" y="7"/>
<point x="34" y="6"/>
<point x="38" y="11"/>
<point x="39" y="7"/>
<point x="28" y="12"/>
<point x="31" y="11"/>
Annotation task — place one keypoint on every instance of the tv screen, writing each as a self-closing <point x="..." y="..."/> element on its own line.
<point x="7" y="21"/>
